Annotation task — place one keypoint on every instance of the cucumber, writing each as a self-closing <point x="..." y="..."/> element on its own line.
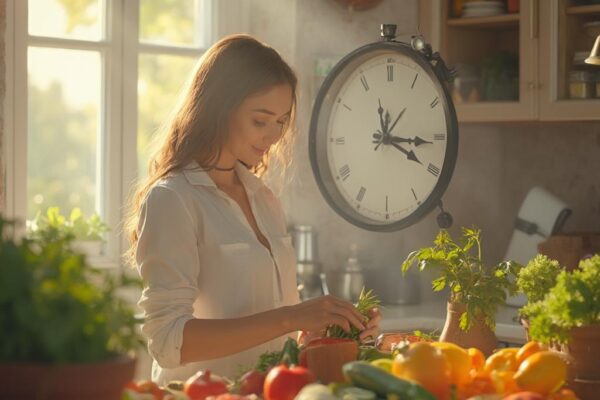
<point x="366" y="376"/>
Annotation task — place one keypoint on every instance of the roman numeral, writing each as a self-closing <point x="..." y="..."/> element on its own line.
<point x="347" y="108"/>
<point x="363" y="80"/>
<point x="434" y="102"/>
<point x="340" y="140"/>
<point x="386" y="204"/>
<point x="361" y="194"/>
<point x="439" y="136"/>
<point x="414" y="80"/>
<point x="413" y="192"/>
<point x="435" y="171"/>
<point x="390" y="73"/>
<point x="345" y="172"/>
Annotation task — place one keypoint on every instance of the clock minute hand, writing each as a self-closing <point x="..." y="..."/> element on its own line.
<point x="380" y="112"/>
<point x="417" y="141"/>
<point x="397" y="119"/>
<point x="409" y="154"/>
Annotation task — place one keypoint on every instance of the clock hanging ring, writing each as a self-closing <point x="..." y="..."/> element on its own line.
<point x="383" y="138"/>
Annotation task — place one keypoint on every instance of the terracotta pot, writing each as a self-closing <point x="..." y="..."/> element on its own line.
<point x="90" y="381"/>
<point x="326" y="361"/>
<point x="584" y="349"/>
<point x="479" y="335"/>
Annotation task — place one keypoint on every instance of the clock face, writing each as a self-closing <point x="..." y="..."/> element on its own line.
<point x="384" y="141"/>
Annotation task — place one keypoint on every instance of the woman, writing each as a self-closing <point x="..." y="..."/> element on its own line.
<point x="209" y="238"/>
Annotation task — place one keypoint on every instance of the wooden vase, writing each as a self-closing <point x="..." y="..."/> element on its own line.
<point x="479" y="335"/>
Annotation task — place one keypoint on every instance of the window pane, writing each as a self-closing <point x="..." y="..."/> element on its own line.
<point x="64" y="95"/>
<point x="73" y="19"/>
<point x="174" y="22"/>
<point x="161" y="78"/>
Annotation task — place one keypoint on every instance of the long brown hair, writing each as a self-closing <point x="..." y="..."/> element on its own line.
<point x="234" y="68"/>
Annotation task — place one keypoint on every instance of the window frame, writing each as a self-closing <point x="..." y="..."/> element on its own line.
<point x="117" y="139"/>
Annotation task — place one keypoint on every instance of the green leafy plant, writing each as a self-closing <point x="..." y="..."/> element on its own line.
<point x="55" y="308"/>
<point x="573" y="302"/>
<point x="367" y="301"/>
<point x="55" y="224"/>
<point x="537" y="278"/>
<point x="481" y="289"/>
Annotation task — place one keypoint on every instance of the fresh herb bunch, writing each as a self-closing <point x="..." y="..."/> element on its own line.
<point x="573" y="302"/>
<point x="76" y="226"/>
<point x="481" y="289"/>
<point x="55" y="308"/>
<point x="537" y="278"/>
<point x="367" y="301"/>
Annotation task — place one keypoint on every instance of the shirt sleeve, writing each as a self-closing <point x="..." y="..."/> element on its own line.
<point x="168" y="262"/>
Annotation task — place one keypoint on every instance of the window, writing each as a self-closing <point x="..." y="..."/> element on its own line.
<point x="91" y="82"/>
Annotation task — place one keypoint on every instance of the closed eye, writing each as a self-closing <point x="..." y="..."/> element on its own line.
<point x="259" y="123"/>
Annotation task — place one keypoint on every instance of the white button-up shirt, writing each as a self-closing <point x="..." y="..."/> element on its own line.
<point x="199" y="258"/>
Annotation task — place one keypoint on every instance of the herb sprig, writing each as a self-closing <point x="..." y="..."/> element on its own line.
<point x="367" y="301"/>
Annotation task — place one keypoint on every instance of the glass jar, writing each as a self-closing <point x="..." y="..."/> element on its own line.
<point x="581" y="85"/>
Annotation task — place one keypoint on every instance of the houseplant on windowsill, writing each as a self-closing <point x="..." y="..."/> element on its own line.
<point x="535" y="280"/>
<point x="476" y="291"/>
<point x="569" y="315"/>
<point x="87" y="233"/>
<point x="65" y="331"/>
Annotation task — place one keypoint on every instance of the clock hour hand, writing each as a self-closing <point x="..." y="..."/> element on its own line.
<point x="417" y="141"/>
<point x="380" y="112"/>
<point x="409" y="154"/>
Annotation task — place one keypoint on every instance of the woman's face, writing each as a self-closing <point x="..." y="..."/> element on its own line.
<point x="256" y="125"/>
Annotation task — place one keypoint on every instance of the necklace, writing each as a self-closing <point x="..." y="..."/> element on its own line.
<point x="224" y="169"/>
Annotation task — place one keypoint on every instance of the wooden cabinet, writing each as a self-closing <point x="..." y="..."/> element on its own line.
<point x="517" y="66"/>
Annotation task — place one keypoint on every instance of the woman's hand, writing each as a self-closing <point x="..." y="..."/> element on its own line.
<point x="315" y="315"/>
<point x="372" y="328"/>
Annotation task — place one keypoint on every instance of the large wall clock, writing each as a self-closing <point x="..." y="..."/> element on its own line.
<point x="383" y="136"/>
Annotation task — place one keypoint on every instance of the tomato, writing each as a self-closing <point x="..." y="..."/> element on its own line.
<point x="502" y="360"/>
<point x="543" y="372"/>
<point x="283" y="383"/>
<point x="203" y="385"/>
<point x="458" y="361"/>
<point x="564" y="394"/>
<point x="148" y="387"/>
<point x="528" y="349"/>
<point x="252" y="382"/>
<point x="477" y="358"/>
<point x="426" y="365"/>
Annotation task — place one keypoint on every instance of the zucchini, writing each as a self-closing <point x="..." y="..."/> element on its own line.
<point x="367" y="376"/>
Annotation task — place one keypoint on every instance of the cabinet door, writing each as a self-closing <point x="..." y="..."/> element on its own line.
<point x="495" y="57"/>
<point x="570" y="89"/>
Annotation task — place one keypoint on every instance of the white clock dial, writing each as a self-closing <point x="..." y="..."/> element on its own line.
<point x="387" y="176"/>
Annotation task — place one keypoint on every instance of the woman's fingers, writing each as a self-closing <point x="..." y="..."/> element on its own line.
<point x="371" y="332"/>
<point x="375" y="318"/>
<point x="350" y="307"/>
<point x="350" y="317"/>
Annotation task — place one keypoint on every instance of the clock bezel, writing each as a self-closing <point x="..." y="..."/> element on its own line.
<point x="318" y="143"/>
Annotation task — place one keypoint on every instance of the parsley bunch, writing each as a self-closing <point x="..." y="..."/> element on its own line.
<point x="480" y="288"/>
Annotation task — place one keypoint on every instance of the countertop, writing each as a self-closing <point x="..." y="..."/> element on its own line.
<point x="431" y="315"/>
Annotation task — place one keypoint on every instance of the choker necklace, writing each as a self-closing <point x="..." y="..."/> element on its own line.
<point x="224" y="169"/>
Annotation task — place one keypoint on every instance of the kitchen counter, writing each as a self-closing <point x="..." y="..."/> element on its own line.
<point x="428" y="316"/>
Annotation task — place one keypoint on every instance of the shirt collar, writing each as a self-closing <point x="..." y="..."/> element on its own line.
<point x="198" y="176"/>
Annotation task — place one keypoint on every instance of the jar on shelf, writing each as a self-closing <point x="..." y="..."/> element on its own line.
<point x="581" y="85"/>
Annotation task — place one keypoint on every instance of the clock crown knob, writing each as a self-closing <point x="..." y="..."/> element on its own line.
<point x="388" y="32"/>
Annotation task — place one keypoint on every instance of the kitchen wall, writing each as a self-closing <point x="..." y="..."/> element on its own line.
<point x="497" y="163"/>
<point x="2" y="95"/>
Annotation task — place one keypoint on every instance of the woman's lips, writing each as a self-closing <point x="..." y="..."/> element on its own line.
<point x="259" y="151"/>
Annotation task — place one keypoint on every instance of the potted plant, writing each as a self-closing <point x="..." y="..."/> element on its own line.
<point x="88" y="233"/>
<point x="476" y="291"/>
<point x="569" y="314"/>
<point x="535" y="280"/>
<point x="65" y="332"/>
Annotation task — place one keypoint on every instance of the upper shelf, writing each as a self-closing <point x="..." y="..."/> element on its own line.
<point x="579" y="10"/>
<point x="493" y="22"/>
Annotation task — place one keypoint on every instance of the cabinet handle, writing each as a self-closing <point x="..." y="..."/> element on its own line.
<point x="533" y="19"/>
